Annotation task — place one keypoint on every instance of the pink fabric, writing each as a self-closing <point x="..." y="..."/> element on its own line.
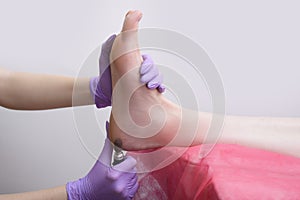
<point x="228" y="172"/>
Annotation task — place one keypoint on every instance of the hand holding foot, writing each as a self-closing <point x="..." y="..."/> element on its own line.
<point x="101" y="86"/>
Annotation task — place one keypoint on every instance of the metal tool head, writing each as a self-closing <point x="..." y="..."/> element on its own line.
<point x="119" y="155"/>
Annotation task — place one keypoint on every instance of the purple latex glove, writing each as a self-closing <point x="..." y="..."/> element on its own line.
<point x="101" y="87"/>
<point x="105" y="181"/>
<point x="150" y="74"/>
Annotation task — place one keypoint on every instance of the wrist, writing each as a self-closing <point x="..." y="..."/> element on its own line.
<point x="97" y="94"/>
<point x="78" y="190"/>
<point x="72" y="193"/>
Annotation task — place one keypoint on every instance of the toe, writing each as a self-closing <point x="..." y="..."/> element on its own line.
<point x="132" y="20"/>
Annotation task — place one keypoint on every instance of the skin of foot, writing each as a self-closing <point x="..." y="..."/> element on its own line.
<point x="139" y="115"/>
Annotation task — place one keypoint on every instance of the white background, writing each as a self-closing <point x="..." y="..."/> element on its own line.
<point x="254" y="44"/>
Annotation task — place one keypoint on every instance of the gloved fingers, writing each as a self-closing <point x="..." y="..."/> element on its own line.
<point x="129" y="187"/>
<point x="104" y="60"/>
<point x="105" y="156"/>
<point x="155" y="82"/>
<point x="134" y="180"/>
<point x="130" y="177"/>
<point x="146" y="65"/>
<point x="126" y="187"/>
<point x="133" y="190"/>
<point x="150" y="75"/>
<point x="161" y="89"/>
<point x="126" y="166"/>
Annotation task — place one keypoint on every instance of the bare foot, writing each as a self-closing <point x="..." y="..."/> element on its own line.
<point x="142" y="118"/>
<point x="138" y="114"/>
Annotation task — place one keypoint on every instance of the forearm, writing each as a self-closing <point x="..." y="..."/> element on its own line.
<point x="27" y="91"/>
<point x="58" y="193"/>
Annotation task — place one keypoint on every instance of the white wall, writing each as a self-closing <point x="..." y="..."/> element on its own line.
<point x="254" y="44"/>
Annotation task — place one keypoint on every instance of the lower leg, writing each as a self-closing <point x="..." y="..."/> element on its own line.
<point x="174" y="125"/>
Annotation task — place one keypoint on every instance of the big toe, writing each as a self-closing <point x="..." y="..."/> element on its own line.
<point x="131" y="21"/>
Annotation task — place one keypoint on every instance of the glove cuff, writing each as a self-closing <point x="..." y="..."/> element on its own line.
<point x="80" y="190"/>
<point x="99" y="97"/>
<point x="73" y="191"/>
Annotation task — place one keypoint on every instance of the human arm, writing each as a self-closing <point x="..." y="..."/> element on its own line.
<point x="57" y="193"/>
<point x="105" y="181"/>
<point x="102" y="182"/>
<point x="29" y="91"/>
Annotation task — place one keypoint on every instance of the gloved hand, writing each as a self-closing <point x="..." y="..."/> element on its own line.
<point x="101" y="87"/>
<point x="150" y="74"/>
<point x="104" y="181"/>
